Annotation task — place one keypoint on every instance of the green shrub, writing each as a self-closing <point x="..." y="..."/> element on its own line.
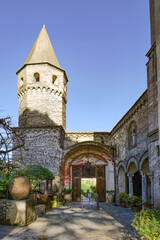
<point x="122" y="196"/>
<point x="37" y="172"/>
<point x="135" y="201"/>
<point x="67" y="191"/>
<point x="4" y="181"/>
<point x="147" y="224"/>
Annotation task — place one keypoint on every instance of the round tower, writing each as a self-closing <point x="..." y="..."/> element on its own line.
<point x="42" y="87"/>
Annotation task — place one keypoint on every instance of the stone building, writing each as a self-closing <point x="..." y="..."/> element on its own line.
<point x="134" y="141"/>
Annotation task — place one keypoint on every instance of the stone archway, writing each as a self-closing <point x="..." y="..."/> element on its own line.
<point x="122" y="179"/>
<point x="134" y="178"/>
<point x="98" y="156"/>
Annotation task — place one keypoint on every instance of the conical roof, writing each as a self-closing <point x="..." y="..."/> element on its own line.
<point x="42" y="50"/>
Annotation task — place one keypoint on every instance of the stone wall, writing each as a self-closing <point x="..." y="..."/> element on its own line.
<point x="14" y="212"/>
<point x="120" y="134"/>
<point x="41" y="146"/>
<point x="72" y="138"/>
<point x="42" y="103"/>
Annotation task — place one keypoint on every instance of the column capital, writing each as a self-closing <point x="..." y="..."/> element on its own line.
<point x="150" y="174"/>
<point x="142" y="173"/>
<point x="130" y="175"/>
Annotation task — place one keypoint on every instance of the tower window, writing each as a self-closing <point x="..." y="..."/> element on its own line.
<point x="54" y="78"/>
<point x="21" y="82"/>
<point x="37" y="77"/>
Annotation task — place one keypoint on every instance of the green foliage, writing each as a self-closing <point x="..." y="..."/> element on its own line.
<point x="132" y="201"/>
<point x="110" y="191"/>
<point x="4" y="181"/>
<point x="66" y="191"/>
<point x="93" y="189"/>
<point x="147" y="224"/>
<point x="135" y="201"/>
<point x="122" y="196"/>
<point x="37" y="172"/>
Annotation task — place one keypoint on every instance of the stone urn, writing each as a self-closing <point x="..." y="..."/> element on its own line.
<point x="110" y="198"/>
<point x="19" y="188"/>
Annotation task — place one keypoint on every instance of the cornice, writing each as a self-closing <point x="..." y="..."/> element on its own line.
<point x="23" y="91"/>
<point x="132" y="111"/>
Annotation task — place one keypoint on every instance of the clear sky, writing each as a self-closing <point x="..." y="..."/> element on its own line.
<point x="101" y="44"/>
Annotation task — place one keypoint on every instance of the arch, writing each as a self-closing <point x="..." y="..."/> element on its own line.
<point x="54" y="77"/>
<point x="132" y="161"/>
<point x="121" y="163"/>
<point x="80" y="154"/>
<point x="121" y="179"/>
<point x="37" y="76"/>
<point x="142" y="159"/>
<point x="21" y="82"/>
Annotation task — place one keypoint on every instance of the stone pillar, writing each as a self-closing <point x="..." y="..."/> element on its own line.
<point x="144" y="187"/>
<point x="150" y="175"/>
<point x="130" y="178"/>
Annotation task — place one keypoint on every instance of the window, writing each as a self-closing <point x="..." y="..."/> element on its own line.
<point x="132" y="134"/>
<point x="21" y="82"/>
<point x="54" y="78"/>
<point x="37" y="77"/>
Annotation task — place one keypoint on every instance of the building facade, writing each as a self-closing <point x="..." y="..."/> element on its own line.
<point x="134" y="141"/>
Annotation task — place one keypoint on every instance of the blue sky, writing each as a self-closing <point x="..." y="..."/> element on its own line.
<point x="100" y="43"/>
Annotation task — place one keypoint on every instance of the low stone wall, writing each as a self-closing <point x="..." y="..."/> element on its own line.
<point x="16" y="212"/>
<point x="40" y="210"/>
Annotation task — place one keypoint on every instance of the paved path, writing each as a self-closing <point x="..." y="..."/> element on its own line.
<point x="71" y="223"/>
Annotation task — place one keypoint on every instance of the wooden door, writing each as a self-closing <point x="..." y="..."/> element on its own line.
<point x="76" y="183"/>
<point x="101" y="185"/>
<point x="77" y="189"/>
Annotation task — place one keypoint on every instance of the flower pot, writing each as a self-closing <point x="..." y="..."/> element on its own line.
<point x="110" y="198"/>
<point x="68" y="197"/>
<point x="19" y="188"/>
<point x="123" y="205"/>
<point x="147" y="206"/>
<point x="136" y="209"/>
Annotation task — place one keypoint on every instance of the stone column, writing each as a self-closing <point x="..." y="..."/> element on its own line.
<point x="130" y="178"/>
<point x="151" y="177"/>
<point x="144" y="187"/>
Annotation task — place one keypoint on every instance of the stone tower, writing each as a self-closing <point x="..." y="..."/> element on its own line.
<point x="42" y="93"/>
<point x="42" y="87"/>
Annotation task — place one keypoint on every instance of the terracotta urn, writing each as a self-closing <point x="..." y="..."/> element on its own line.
<point x="68" y="197"/>
<point x="110" y="198"/>
<point x="19" y="188"/>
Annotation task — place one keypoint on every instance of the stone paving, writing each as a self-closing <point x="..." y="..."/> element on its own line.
<point x="71" y="223"/>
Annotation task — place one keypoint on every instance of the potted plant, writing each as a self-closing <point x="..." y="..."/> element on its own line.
<point x="67" y="194"/>
<point x="122" y="196"/>
<point x="136" y="203"/>
<point x="110" y="196"/>
<point x="36" y="174"/>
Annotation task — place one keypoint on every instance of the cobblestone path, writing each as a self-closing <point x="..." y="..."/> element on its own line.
<point x="71" y="223"/>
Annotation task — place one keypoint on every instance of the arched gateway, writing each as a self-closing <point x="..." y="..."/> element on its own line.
<point x="88" y="160"/>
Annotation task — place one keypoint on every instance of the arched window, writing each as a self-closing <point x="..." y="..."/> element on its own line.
<point x="37" y="77"/>
<point x="132" y="134"/>
<point x="54" y="77"/>
<point x="21" y="82"/>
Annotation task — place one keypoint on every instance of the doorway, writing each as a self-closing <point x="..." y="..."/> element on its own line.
<point x="88" y="171"/>
<point x="88" y="188"/>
